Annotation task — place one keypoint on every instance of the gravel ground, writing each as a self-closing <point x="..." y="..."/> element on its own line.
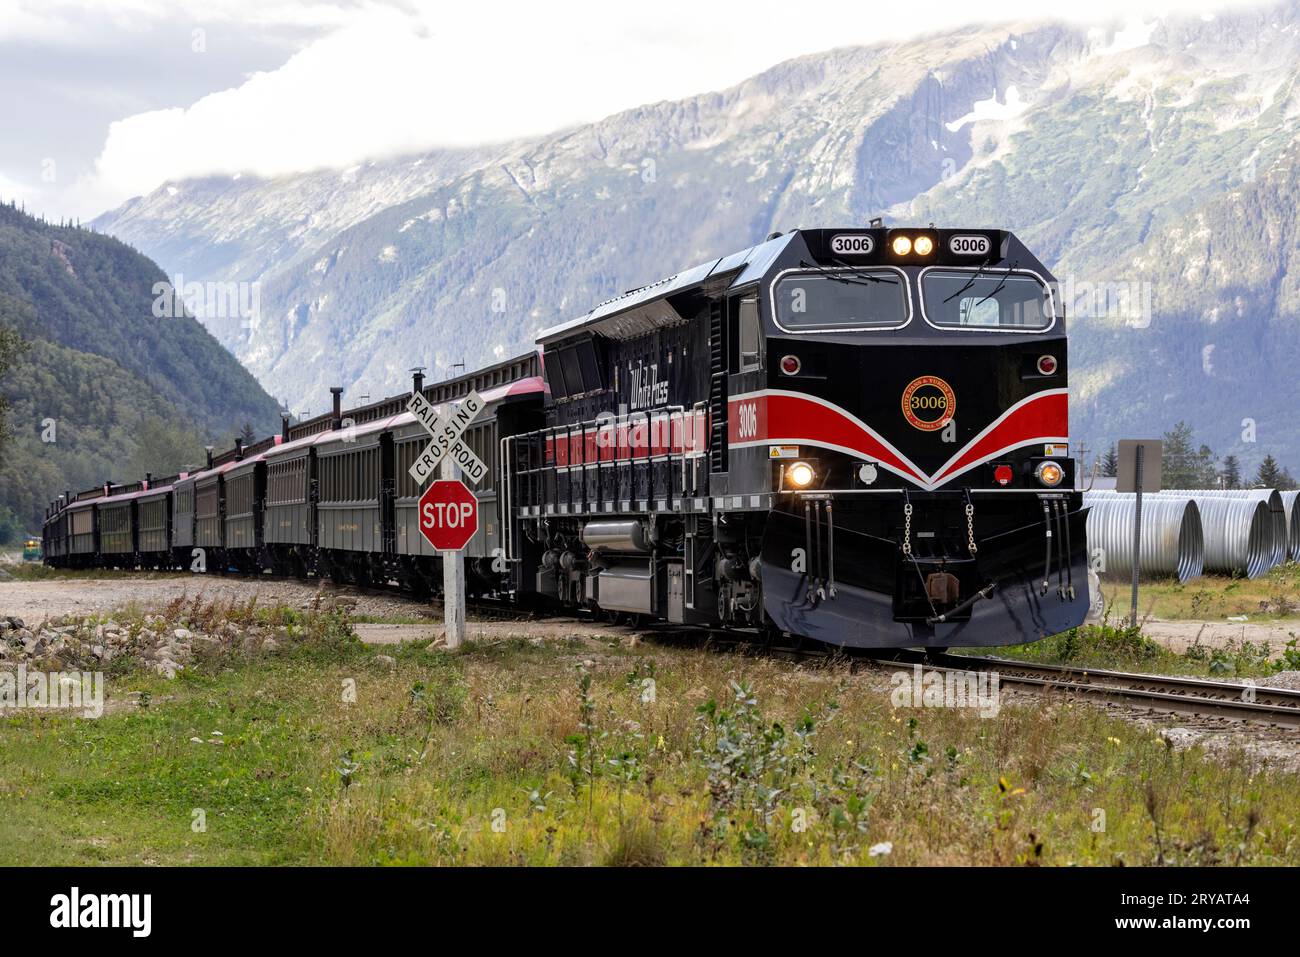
<point x="36" y="601"/>
<point x="1181" y="635"/>
<point x="1283" y="679"/>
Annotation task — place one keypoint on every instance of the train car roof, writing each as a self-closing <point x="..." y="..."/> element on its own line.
<point x="156" y="490"/>
<point x="127" y="496"/>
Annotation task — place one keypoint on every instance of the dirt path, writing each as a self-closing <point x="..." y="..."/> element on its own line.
<point x="36" y="601"/>
<point x="1180" y="635"/>
<point x="535" y="630"/>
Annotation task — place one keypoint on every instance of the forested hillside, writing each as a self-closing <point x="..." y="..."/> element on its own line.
<point x="101" y="386"/>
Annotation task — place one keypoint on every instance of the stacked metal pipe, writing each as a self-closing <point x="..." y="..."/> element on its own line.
<point x="1173" y="540"/>
<point x="1277" y="513"/>
<point x="1292" y="524"/>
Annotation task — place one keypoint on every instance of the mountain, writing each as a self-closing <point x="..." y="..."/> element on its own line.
<point x="1152" y="160"/>
<point x="101" y="375"/>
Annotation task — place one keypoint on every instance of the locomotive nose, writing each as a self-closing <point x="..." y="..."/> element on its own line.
<point x="917" y="570"/>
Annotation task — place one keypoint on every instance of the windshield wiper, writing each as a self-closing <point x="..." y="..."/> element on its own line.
<point x="856" y="281"/>
<point x="998" y="288"/>
<point x="969" y="282"/>
<point x="862" y="275"/>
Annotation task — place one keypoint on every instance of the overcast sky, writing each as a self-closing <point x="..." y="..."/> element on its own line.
<point x="101" y="101"/>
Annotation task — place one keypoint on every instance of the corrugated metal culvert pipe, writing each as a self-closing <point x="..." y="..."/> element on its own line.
<point x="1270" y="497"/>
<point x="1238" y="534"/>
<point x="1292" y="524"/>
<point x="1173" y="541"/>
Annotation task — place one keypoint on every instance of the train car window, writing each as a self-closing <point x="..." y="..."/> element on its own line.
<point x="555" y="376"/>
<point x="841" y="300"/>
<point x="591" y="381"/>
<point x="750" y="349"/>
<point x="999" y="300"/>
<point x="572" y="371"/>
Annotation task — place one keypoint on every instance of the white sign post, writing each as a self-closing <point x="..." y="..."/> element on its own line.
<point x="448" y="452"/>
<point x="453" y="581"/>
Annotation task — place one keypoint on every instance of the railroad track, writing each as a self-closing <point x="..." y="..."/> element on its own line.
<point x="1168" y="694"/>
<point x="1163" y="694"/>
<point x="1276" y="707"/>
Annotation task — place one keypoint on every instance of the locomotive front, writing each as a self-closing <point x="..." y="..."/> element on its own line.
<point x="908" y="410"/>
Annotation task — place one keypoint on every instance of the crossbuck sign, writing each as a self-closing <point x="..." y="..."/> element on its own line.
<point x="447" y="437"/>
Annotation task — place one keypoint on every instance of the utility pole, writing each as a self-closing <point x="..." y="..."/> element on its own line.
<point x="1082" y="471"/>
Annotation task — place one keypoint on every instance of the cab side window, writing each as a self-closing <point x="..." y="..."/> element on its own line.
<point x="751" y="343"/>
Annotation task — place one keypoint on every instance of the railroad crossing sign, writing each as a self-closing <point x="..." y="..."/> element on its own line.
<point x="448" y="515"/>
<point x="446" y="440"/>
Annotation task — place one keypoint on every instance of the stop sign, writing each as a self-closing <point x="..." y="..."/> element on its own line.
<point x="448" y="514"/>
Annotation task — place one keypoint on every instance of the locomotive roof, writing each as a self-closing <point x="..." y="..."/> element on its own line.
<point x="647" y="307"/>
<point x="750" y="263"/>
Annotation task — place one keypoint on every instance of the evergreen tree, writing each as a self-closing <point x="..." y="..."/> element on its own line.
<point x="1269" y="474"/>
<point x="247" y="434"/>
<point x="1231" y="473"/>
<point x="1206" y="476"/>
<point x="1110" y="463"/>
<point x="11" y="347"/>
<point x="163" y="448"/>
<point x="1181" y="466"/>
<point x="10" y="528"/>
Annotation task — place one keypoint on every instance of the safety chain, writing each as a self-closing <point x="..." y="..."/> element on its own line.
<point x="970" y="528"/>
<point x="907" y="528"/>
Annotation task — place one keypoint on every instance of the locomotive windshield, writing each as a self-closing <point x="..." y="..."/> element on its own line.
<point x="840" y="300"/>
<point x="994" y="299"/>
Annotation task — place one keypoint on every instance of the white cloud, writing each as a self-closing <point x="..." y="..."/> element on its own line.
<point x="383" y="79"/>
<point x="73" y="23"/>
<point x="12" y="189"/>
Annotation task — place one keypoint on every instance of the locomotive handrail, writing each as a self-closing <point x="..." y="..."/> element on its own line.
<point x="533" y="465"/>
<point x="814" y="493"/>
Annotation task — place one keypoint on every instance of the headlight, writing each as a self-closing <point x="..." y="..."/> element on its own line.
<point x="1049" y="474"/>
<point x="924" y="245"/>
<point x="801" y="475"/>
<point x="902" y="245"/>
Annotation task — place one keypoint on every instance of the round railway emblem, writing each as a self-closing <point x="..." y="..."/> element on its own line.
<point x="928" y="403"/>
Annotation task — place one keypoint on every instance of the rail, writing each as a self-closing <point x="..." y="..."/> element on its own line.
<point x="537" y="459"/>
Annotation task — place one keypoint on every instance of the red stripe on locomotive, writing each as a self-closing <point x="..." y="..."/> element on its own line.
<point x="1044" y="416"/>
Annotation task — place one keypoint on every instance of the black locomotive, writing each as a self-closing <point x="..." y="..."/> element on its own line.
<point x="857" y="436"/>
